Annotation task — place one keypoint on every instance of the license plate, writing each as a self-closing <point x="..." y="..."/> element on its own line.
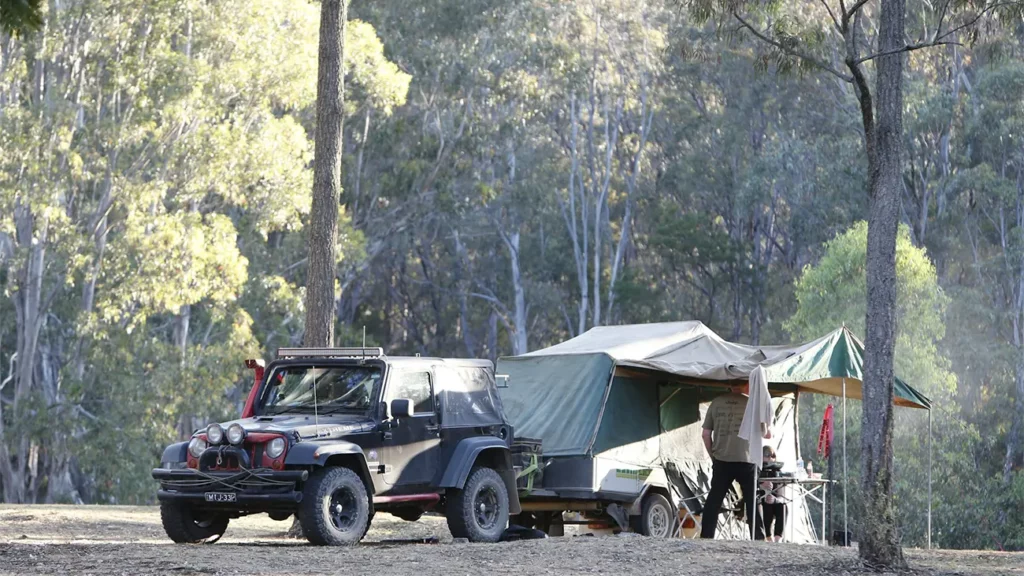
<point x="220" y="496"/>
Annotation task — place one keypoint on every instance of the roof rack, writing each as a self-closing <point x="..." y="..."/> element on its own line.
<point x="330" y="352"/>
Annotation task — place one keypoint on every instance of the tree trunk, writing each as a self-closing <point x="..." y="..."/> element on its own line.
<point x="880" y="544"/>
<point x="519" y="342"/>
<point x="1013" y="439"/>
<point x="323" y="226"/>
<point x="492" y="337"/>
<point x="1017" y="305"/>
<point x="323" y="220"/>
<point x="182" y="323"/>
<point x="27" y="298"/>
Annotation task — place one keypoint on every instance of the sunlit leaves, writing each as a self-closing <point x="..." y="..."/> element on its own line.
<point x="833" y="293"/>
<point x="167" y="261"/>
<point x="378" y="83"/>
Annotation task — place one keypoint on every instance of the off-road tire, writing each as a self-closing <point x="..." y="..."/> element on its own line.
<point x="657" y="517"/>
<point x="332" y="487"/>
<point x="184" y="526"/>
<point x="479" y="511"/>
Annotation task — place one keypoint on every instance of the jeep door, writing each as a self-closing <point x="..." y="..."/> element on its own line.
<point x="411" y="449"/>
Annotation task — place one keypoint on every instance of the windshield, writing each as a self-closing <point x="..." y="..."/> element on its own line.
<point x="337" y="389"/>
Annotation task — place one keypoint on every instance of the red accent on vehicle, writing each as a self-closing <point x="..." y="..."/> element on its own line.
<point x="432" y="497"/>
<point x="251" y="440"/>
<point x="250" y="403"/>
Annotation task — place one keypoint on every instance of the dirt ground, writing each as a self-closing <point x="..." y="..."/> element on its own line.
<point x="70" y="540"/>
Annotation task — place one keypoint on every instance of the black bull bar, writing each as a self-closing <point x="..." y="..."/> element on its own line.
<point x="250" y="487"/>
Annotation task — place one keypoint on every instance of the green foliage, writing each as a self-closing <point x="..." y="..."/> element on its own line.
<point x="167" y="188"/>
<point x="379" y="82"/>
<point x="833" y="293"/>
<point x="21" y="16"/>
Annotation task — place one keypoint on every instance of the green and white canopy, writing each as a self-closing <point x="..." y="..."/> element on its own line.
<point x="559" y="393"/>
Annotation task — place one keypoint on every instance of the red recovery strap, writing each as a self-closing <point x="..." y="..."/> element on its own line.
<point x="825" y="436"/>
<point x="250" y="403"/>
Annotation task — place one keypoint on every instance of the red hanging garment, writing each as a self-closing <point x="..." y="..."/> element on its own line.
<point x="825" y="436"/>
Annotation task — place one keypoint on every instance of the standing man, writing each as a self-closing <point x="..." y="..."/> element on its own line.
<point x="730" y="459"/>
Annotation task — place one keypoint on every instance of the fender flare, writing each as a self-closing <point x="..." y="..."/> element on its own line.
<point x="465" y="455"/>
<point x="317" y="453"/>
<point x="177" y="452"/>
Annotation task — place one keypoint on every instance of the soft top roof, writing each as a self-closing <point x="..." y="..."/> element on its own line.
<point x="432" y="361"/>
<point x="464" y="387"/>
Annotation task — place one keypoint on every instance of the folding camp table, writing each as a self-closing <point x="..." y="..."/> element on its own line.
<point x="815" y="489"/>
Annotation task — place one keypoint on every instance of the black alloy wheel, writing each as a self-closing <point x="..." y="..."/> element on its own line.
<point x="335" y="508"/>
<point x="343" y="510"/>
<point x="479" y="511"/>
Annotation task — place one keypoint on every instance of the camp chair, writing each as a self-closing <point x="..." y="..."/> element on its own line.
<point x="690" y="504"/>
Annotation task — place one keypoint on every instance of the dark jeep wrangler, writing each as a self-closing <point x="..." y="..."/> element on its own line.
<point x="333" y="435"/>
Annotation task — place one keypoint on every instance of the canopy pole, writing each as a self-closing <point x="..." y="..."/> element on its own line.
<point x="846" y="478"/>
<point x="929" y="478"/>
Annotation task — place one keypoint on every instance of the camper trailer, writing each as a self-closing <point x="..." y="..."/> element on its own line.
<point x="608" y="424"/>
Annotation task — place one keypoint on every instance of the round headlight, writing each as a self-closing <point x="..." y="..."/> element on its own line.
<point x="214" y="434"/>
<point x="196" y="447"/>
<point x="275" y="447"/>
<point x="236" y="433"/>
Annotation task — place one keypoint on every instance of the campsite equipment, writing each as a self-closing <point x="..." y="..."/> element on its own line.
<point x="616" y="405"/>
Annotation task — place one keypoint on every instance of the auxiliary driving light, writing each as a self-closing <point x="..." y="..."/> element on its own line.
<point x="215" y="434"/>
<point x="236" y="434"/>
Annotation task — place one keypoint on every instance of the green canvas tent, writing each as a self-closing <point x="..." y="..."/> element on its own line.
<point x="637" y="394"/>
<point x="559" y="393"/>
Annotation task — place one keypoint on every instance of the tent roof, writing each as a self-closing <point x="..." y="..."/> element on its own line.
<point x="693" y="351"/>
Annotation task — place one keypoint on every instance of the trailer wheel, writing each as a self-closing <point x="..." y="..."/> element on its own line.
<point x="657" y="518"/>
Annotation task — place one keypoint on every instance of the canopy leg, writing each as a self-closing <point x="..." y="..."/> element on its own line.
<point x="831" y="478"/>
<point x="929" y="478"/>
<point x="846" y="478"/>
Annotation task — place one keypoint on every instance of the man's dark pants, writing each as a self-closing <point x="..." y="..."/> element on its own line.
<point x="722" y="476"/>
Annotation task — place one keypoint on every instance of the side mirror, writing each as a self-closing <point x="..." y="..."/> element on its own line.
<point x="401" y="408"/>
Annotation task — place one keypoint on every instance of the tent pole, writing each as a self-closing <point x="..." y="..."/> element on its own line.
<point x="929" y="478"/>
<point x="846" y="479"/>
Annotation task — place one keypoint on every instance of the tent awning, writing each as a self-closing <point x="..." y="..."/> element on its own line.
<point x="691" y="350"/>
